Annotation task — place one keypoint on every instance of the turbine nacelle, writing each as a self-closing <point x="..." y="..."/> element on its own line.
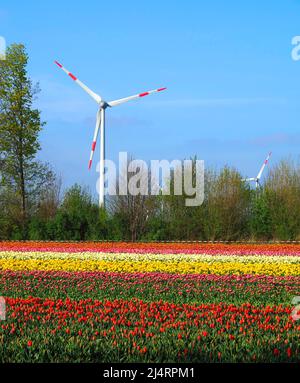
<point x="104" y="105"/>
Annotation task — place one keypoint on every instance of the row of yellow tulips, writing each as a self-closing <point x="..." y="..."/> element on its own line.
<point x="170" y="263"/>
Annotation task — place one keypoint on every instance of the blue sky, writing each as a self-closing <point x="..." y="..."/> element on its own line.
<point x="233" y="90"/>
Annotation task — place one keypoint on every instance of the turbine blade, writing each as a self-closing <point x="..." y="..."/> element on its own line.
<point x="98" y="121"/>
<point x="94" y="95"/>
<point x="122" y="100"/>
<point x="263" y="166"/>
<point x="249" y="179"/>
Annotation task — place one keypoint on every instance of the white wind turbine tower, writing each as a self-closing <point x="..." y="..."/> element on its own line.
<point x="258" y="177"/>
<point x="100" y="123"/>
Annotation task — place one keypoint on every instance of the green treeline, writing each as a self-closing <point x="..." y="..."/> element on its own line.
<point x="32" y="205"/>
<point x="230" y="211"/>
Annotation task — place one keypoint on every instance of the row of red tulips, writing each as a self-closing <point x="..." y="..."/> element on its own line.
<point x="160" y="248"/>
<point x="135" y="330"/>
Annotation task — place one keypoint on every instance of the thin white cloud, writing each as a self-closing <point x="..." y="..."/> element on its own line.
<point x="266" y="141"/>
<point x="219" y="102"/>
<point x="127" y="121"/>
<point x="276" y="139"/>
<point x="59" y="101"/>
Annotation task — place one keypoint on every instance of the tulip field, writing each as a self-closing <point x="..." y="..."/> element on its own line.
<point x="149" y="302"/>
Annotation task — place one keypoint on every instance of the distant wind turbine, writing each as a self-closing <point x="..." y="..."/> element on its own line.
<point x="258" y="177"/>
<point x="100" y="123"/>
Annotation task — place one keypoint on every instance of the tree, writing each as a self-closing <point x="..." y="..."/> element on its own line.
<point x="133" y="212"/>
<point x="179" y="220"/>
<point x="20" y="124"/>
<point x="226" y="205"/>
<point x="282" y="188"/>
<point x="78" y="217"/>
<point x="260" y="221"/>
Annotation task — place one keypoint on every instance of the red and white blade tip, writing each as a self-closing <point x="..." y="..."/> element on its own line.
<point x="146" y="93"/>
<point x="58" y="64"/>
<point x="64" y="69"/>
<point x="267" y="160"/>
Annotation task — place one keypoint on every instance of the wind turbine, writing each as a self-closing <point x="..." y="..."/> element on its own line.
<point x="100" y="123"/>
<point x="258" y="177"/>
